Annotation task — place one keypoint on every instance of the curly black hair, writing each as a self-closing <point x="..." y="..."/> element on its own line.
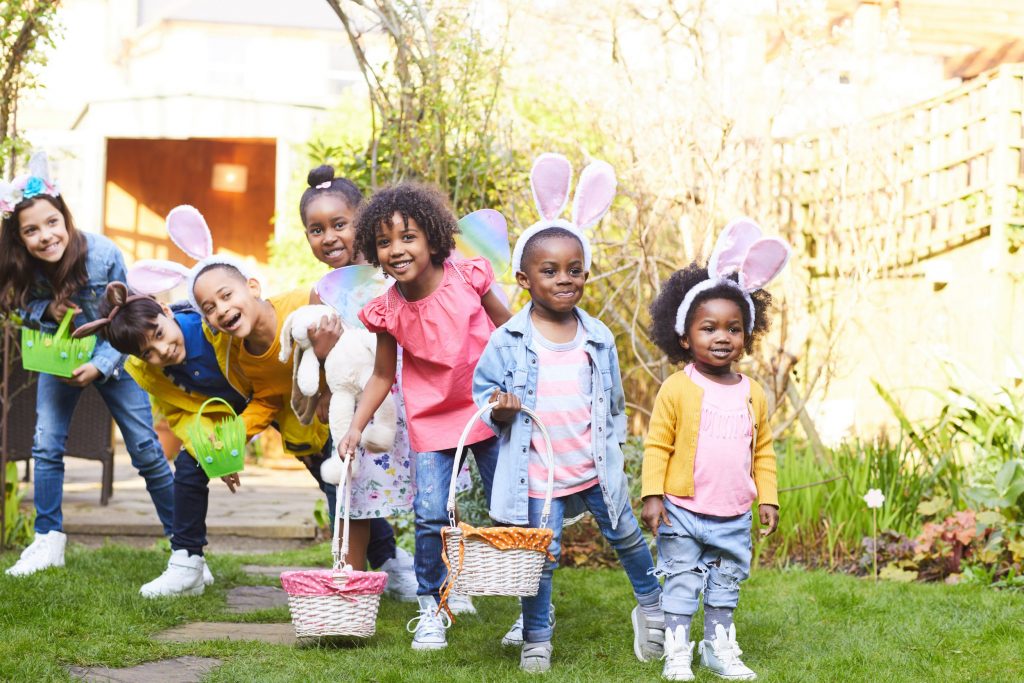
<point x="543" y="236"/>
<point x="664" y="308"/>
<point x="424" y="204"/>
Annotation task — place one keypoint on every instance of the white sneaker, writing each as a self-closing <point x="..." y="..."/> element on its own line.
<point x="207" y="574"/>
<point x="401" y="579"/>
<point x="722" y="655"/>
<point x="678" y="655"/>
<point x="536" y="657"/>
<point x="429" y="627"/>
<point x="648" y="635"/>
<point x="403" y="558"/>
<point x="183" y="576"/>
<point x="514" y="637"/>
<point x="460" y="604"/>
<point x="47" y="550"/>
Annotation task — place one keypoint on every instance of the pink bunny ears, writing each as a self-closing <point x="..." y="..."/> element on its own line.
<point x="740" y="249"/>
<point x="188" y="230"/>
<point x="550" y="178"/>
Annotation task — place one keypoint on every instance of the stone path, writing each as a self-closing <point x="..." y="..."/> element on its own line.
<point x="277" y="634"/>
<point x="242" y="599"/>
<point x="177" y="670"/>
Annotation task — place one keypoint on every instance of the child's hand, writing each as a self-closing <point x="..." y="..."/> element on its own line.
<point x="324" y="336"/>
<point x="769" y="516"/>
<point x="57" y="309"/>
<point x="654" y="514"/>
<point x="83" y="376"/>
<point x="349" y="442"/>
<point x="508" y="406"/>
<point x="232" y="481"/>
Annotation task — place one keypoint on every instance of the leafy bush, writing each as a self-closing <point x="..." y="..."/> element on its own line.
<point x="18" y="528"/>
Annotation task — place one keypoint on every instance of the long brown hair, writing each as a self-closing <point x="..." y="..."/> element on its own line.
<point x="18" y="269"/>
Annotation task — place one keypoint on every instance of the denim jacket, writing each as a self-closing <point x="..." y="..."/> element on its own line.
<point x="509" y="363"/>
<point x="103" y="264"/>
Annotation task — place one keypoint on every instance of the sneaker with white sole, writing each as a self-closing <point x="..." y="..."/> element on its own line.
<point x="47" y="550"/>
<point x="460" y="604"/>
<point x="678" y="655"/>
<point x="722" y="655"/>
<point x="401" y="580"/>
<point x="428" y="628"/>
<point x="207" y="574"/>
<point x="514" y="636"/>
<point x="535" y="657"/>
<point x="183" y="576"/>
<point x="648" y="636"/>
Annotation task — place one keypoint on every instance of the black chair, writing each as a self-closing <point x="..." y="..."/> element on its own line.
<point x="90" y="435"/>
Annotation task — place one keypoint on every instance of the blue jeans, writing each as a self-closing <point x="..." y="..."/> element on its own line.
<point x="625" y="538"/>
<point x="191" y="501"/>
<point x="129" y="405"/>
<point x="433" y="476"/>
<point x="702" y="553"/>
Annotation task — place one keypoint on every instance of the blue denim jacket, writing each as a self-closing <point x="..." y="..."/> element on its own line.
<point x="509" y="363"/>
<point x="103" y="264"/>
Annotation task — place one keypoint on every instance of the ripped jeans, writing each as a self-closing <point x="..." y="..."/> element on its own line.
<point x="702" y="553"/>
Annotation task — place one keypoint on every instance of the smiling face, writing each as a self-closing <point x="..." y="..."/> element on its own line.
<point x="329" y="229"/>
<point x="165" y="344"/>
<point x="404" y="253"/>
<point x="553" y="273"/>
<point x="715" y="335"/>
<point x="43" y="231"/>
<point x="228" y="301"/>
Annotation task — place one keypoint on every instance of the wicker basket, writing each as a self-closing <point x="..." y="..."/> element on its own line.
<point x="340" y="601"/>
<point x="477" y="567"/>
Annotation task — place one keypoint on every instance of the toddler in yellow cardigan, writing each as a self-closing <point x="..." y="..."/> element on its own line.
<point x="708" y="453"/>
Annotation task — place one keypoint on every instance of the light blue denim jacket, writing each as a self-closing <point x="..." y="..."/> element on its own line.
<point x="103" y="264"/>
<point x="509" y="363"/>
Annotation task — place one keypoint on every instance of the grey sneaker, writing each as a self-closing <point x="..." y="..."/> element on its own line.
<point x="514" y="637"/>
<point x="722" y="655"/>
<point x="536" y="657"/>
<point x="428" y="626"/>
<point x="648" y="636"/>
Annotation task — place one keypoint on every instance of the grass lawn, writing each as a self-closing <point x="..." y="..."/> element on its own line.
<point x="793" y="626"/>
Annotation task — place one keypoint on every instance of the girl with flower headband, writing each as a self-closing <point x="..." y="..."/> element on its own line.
<point x="47" y="268"/>
<point x="708" y="453"/>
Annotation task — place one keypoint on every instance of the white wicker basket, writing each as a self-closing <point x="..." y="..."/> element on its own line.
<point x="479" y="568"/>
<point x="336" y="613"/>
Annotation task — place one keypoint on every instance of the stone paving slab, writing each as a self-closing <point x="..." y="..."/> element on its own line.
<point x="276" y="634"/>
<point x="177" y="670"/>
<point x="273" y="570"/>
<point x="242" y="599"/>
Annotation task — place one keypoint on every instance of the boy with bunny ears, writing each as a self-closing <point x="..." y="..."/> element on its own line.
<point x="561" y="363"/>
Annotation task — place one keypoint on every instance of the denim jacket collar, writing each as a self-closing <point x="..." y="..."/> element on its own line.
<point x="520" y="324"/>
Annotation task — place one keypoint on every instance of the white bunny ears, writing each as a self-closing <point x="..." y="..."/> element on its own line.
<point x="188" y="230"/>
<point x="550" y="178"/>
<point x="740" y="249"/>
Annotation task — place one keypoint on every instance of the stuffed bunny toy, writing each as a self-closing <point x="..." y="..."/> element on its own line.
<point x="550" y="179"/>
<point x="306" y="365"/>
<point x="743" y="251"/>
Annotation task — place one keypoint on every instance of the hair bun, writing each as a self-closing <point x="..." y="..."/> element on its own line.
<point x="321" y="174"/>
<point x="116" y="293"/>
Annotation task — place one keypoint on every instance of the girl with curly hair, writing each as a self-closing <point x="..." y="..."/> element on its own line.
<point x="708" y="453"/>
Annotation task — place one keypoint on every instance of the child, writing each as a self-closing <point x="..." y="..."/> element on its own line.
<point x="46" y="268"/>
<point x="442" y="313"/>
<point x="173" y="360"/>
<point x="709" y="452"/>
<point x="561" y="363"/>
<point x="381" y="484"/>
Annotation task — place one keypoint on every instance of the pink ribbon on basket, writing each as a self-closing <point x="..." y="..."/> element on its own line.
<point x="327" y="582"/>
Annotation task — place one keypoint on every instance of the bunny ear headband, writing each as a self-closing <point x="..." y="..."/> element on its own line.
<point x="550" y="179"/>
<point x="28" y="185"/>
<point x="115" y="291"/>
<point x="188" y="230"/>
<point x="742" y="250"/>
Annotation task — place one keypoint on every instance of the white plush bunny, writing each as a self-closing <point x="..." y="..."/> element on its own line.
<point x="551" y="178"/>
<point x="296" y="327"/>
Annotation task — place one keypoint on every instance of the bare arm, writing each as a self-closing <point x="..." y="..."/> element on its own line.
<point x="496" y="311"/>
<point x="376" y="390"/>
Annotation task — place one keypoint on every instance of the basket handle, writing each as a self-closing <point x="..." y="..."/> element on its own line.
<point x="462" y="444"/>
<point x="211" y="400"/>
<point x="339" y="547"/>
<point x="65" y="323"/>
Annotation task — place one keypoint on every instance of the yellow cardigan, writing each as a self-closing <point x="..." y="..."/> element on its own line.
<point x="671" y="442"/>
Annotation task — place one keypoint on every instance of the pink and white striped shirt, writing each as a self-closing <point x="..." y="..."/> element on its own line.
<point x="564" y="391"/>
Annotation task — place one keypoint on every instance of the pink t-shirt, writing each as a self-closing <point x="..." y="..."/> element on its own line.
<point x="722" y="483"/>
<point x="564" y="391"/>
<point x="442" y="336"/>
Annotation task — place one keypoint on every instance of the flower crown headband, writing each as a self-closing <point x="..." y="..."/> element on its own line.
<point x="188" y="230"/>
<point x="28" y="185"/>
<point x="550" y="179"/>
<point x="740" y="250"/>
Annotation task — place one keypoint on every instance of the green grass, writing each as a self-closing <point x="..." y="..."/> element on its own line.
<point x="793" y="626"/>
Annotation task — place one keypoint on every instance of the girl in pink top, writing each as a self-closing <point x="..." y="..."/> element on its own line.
<point x="442" y="311"/>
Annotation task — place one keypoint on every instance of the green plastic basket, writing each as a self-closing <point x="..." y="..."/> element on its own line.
<point x="224" y="454"/>
<point x="57" y="353"/>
